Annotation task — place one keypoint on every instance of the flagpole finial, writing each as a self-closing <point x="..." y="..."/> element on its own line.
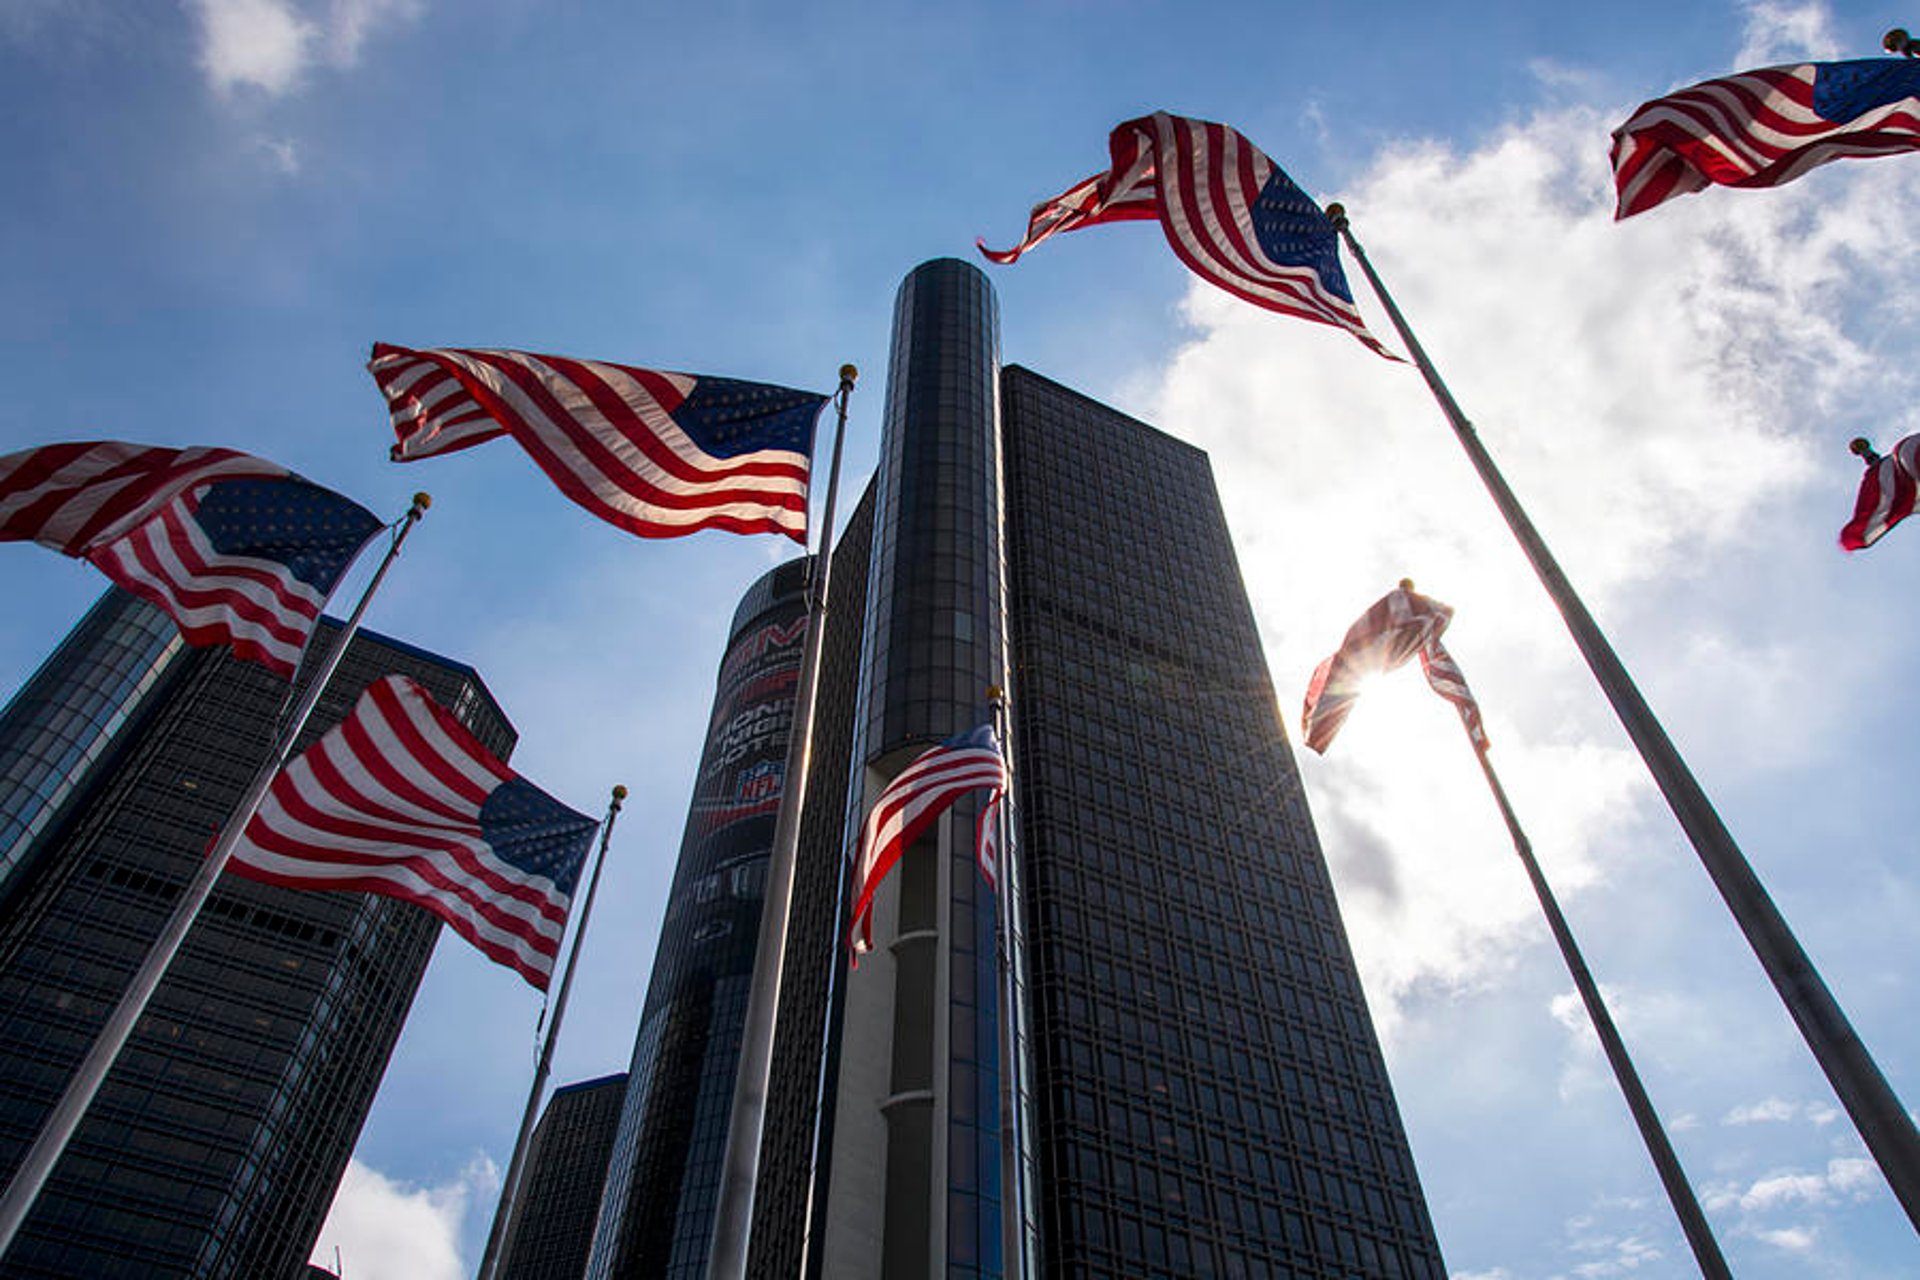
<point x="1406" y="584"/>
<point x="422" y="500"/>
<point x="996" y="695"/>
<point x="1864" y="447"/>
<point x="848" y="375"/>
<point x="1898" y="41"/>
<point x="1337" y="215"/>
<point x="619" y="794"/>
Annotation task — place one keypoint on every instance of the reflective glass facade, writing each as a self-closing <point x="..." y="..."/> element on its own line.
<point x="215" y="1146"/>
<point x="1209" y="1093"/>
<point x="72" y="712"/>
<point x="560" y="1193"/>
<point x="656" y="1217"/>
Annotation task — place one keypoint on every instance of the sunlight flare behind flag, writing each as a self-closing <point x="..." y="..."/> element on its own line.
<point x="1764" y="128"/>
<point x="908" y="805"/>
<point x="1876" y="1111"/>
<point x="400" y="799"/>
<point x="1229" y="212"/>
<point x="1394" y="628"/>
<point x="1887" y="492"/>
<point x="237" y="550"/>
<point x="657" y="454"/>
<point x="1399" y="624"/>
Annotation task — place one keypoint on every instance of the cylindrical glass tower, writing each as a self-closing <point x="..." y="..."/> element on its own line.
<point x="656" y="1214"/>
<point x="916" y="1185"/>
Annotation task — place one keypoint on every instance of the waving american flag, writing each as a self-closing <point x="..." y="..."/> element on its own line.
<point x="908" y="805"/>
<point x="1230" y="213"/>
<point x="1763" y="128"/>
<point x="399" y="799"/>
<point x="236" y="549"/>
<point x="657" y="454"/>
<point x="1394" y="628"/>
<point x="1887" y="493"/>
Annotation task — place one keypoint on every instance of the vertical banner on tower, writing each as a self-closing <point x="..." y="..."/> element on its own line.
<point x="713" y="916"/>
<point x="688" y="1045"/>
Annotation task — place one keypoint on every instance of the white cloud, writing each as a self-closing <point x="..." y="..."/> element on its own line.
<point x="1611" y="1255"/>
<point x="1652" y="391"/>
<point x="349" y="22"/>
<point x="1769" y="1111"/>
<point x="1796" y="1239"/>
<point x="387" y="1230"/>
<point x="260" y="44"/>
<point x="1776" y="1110"/>
<point x="1846" y="1178"/>
<point x="1786" y="32"/>
<point x="273" y="45"/>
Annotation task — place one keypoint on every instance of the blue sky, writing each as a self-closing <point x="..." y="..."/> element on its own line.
<point x="212" y="209"/>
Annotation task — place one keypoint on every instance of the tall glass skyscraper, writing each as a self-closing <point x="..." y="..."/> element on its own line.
<point x="657" y="1209"/>
<point x="559" y="1198"/>
<point x="1208" y="1091"/>
<point x="1199" y="1088"/>
<point x="215" y="1145"/>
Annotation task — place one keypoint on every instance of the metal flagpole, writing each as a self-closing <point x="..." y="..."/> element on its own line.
<point x="1706" y="1251"/>
<point x="503" y="1211"/>
<point x="1012" y="1193"/>
<point x="740" y="1169"/>
<point x="1876" y="1112"/>
<point x="61" y="1123"/>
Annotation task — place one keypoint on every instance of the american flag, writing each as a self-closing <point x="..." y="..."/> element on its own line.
<point x="908" y="805"/>
<point x="399" y="799"/>
<point x="1394" y="628"/>
<point x="1229" y="212"/>
<point x="1447" y="680"/>
<point x="238" y="550"/>
<point x="1763" y="128"/>
<point x="658" y="454"/>
<point x="1887" y="495"/>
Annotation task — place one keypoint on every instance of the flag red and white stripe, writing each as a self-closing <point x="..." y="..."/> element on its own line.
<point x="79" y="496"/>
<point x="1393" y="629"/>
<point x="1447" y="680"/>
<point x="143" y="515"/>
<point x="986" y="841"/>
<point x="1756" y="129"/>
<point x="909" y="804"/>
<point x="1205" y="183"/>
<point x="1887" y="495"/>
<point x="400" y="799"/>
<point x="606" y="434"/>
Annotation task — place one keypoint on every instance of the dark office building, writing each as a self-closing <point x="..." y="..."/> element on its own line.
<point x="554" y="1213"/>
<point x="216" y="1144"/>
<point x="1200" y="1089"/>
<point x="657" y="1212"/>
<point x="1208" y="1093"/>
